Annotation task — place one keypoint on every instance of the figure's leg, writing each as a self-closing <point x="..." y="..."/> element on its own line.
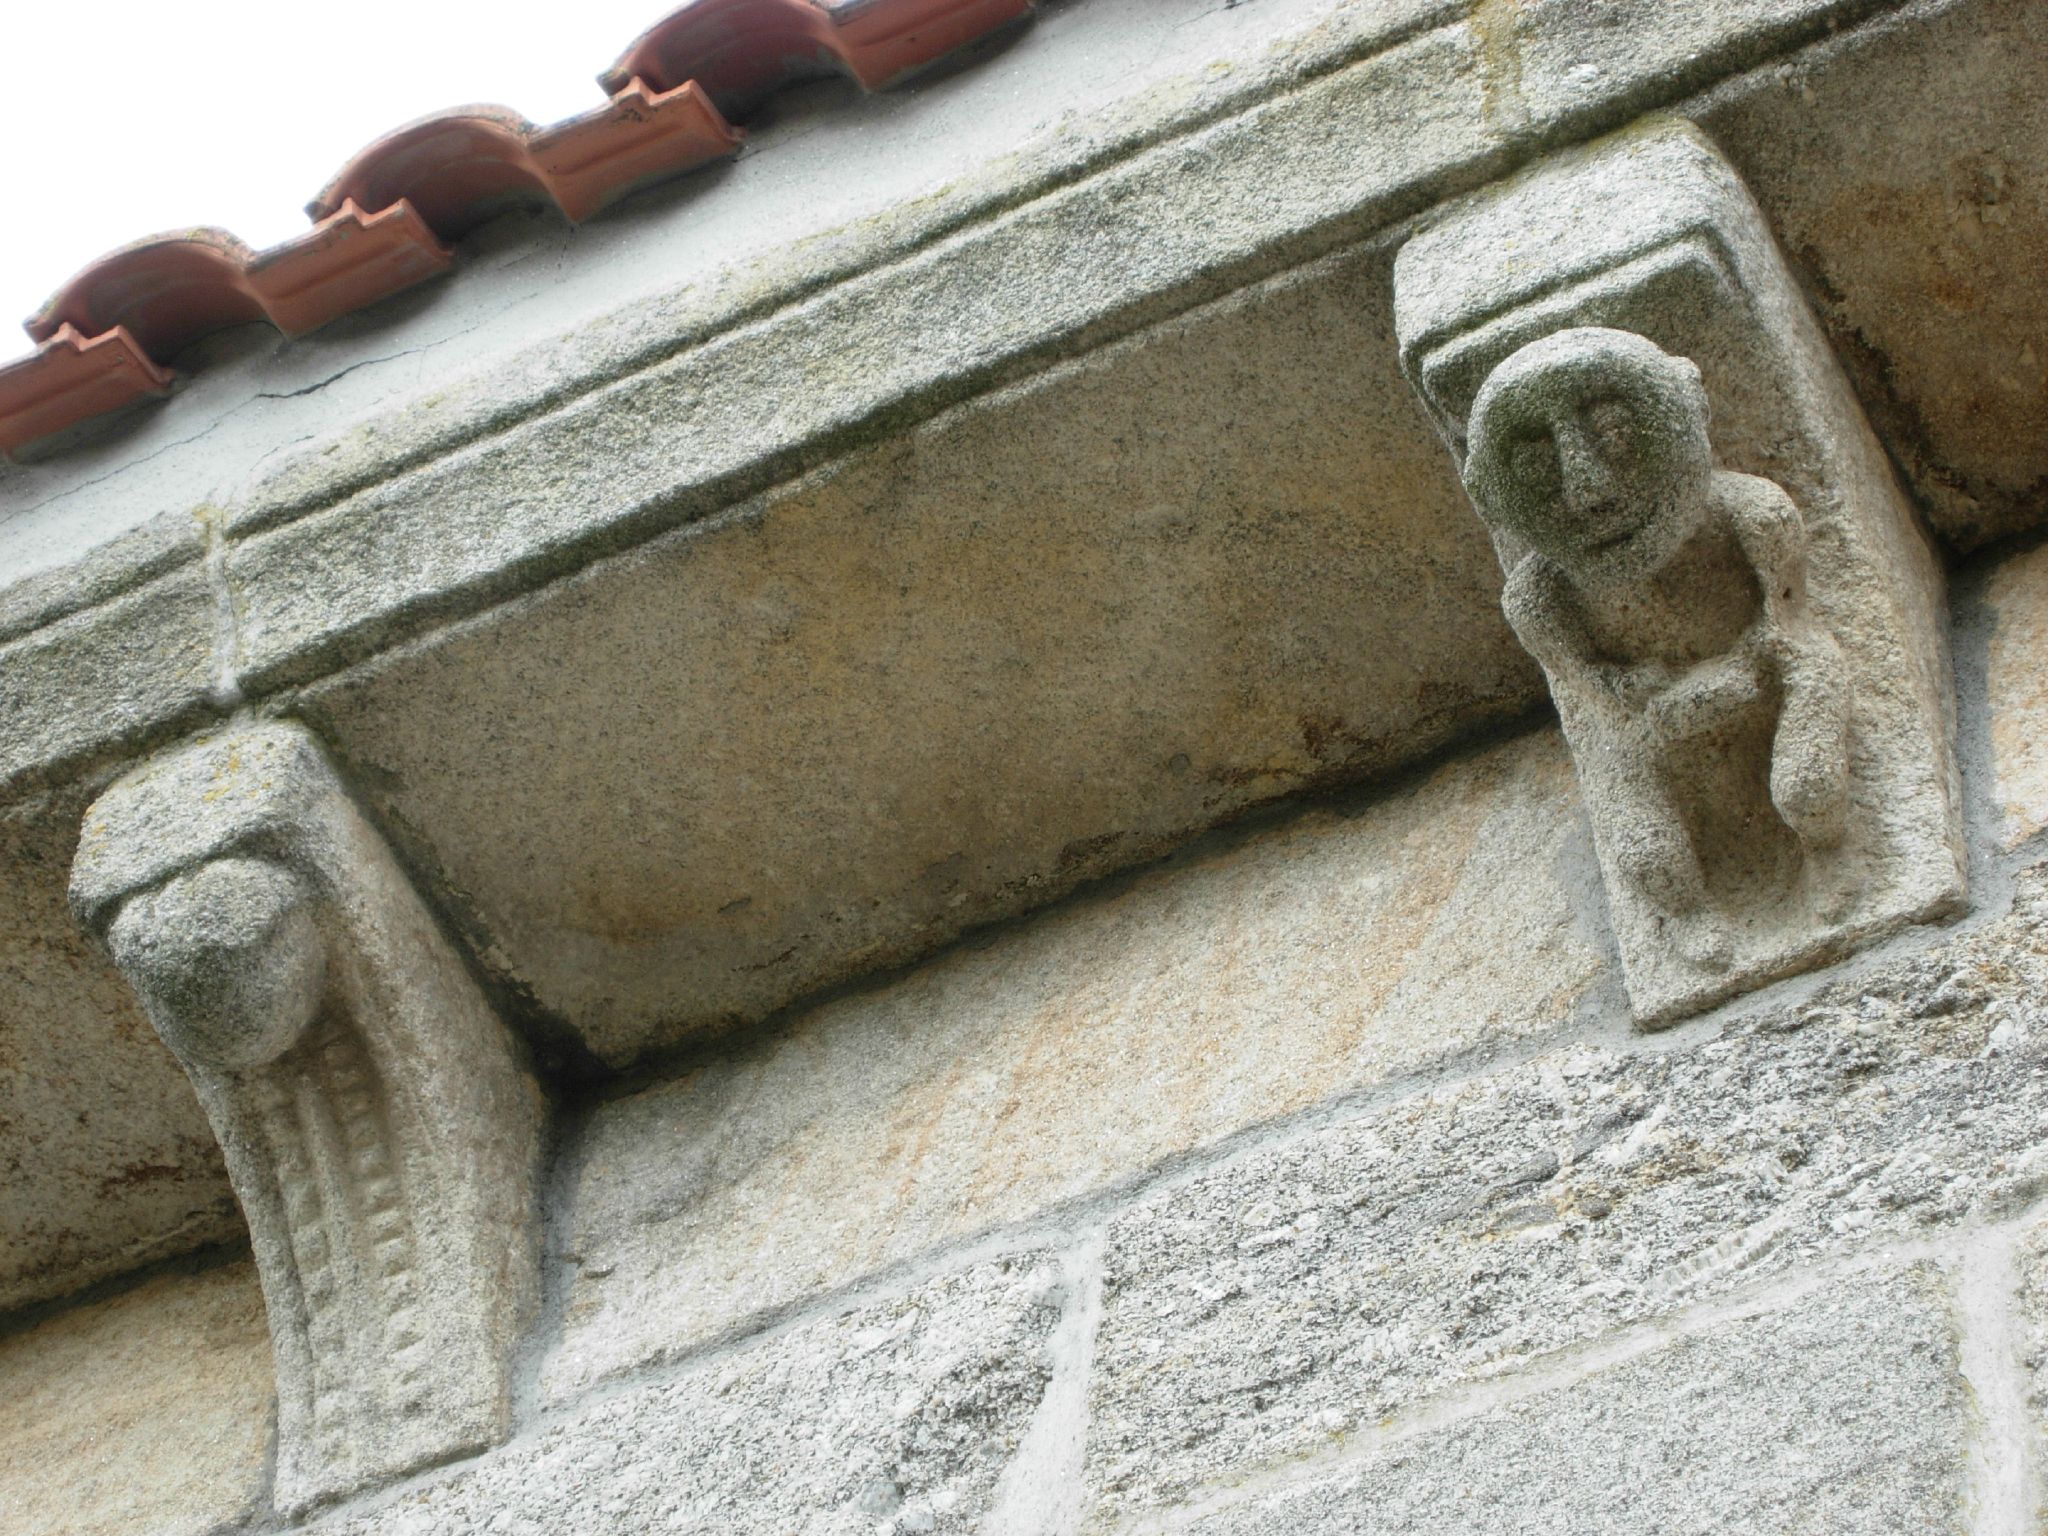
<point x="1656" y="856"/>
<point x="1654" y="853"/>
<point x="1810" y="752"/>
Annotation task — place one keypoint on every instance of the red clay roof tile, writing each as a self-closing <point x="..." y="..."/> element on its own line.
<point x="741" y="50"/>
<point x="460" y="167"/>
<point x="69" y="378"/>
<point x="347" y="260"/>
<point x="170" y="290"/>
<point x="637" y="138"/>
<point x="105" y="333"/>
<point x="167" y="290"/>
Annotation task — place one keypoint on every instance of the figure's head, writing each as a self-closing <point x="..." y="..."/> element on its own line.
<point x="1591" y="444"/>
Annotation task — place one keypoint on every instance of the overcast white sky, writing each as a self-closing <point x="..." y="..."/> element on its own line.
<point x="123" y="119"/>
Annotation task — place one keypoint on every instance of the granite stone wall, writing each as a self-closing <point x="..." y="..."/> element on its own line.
<point x="973" y="749"/>
<point x="1314" y="1180"/>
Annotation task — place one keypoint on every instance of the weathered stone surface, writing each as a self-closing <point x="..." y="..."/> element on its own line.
<point x="1543" y="56"/>
<point x="899" y="1418"/>
<point x="1116" y="165"/>
<point x="1255" y="975"/>
<point x="2014" y="1319"/>
<point x="1896" y="232"/>
<point x="2016" y="684"/>
<point x="1328" y="1283"/>
<point x="106" y="1160"/>
<point x="376" y="1115"/>
<point x="1035" y="641"/>
<point x="1844" y="1413"/>
<point x="149" y="1411"/>
<point x="1765" y="792"/>
<point x="33" y="598"/>
<point x="110" y="676"/>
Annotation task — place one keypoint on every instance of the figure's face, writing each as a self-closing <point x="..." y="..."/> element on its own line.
<point x="1592" y="446"/>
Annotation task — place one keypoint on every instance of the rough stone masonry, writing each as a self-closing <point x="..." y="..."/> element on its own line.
<point x="1255" y="768"/>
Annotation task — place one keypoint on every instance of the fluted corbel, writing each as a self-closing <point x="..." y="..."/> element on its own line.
<point x="379" y="1125"/>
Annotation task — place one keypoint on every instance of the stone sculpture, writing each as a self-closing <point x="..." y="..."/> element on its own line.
<point x="380" y="1128"/>
<point x="1666" y="600"/>
<point x="1745" y="638"/>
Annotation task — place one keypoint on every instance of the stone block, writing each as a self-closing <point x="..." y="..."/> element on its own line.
<point x="106" y="677"/>
<point x="898" y="1417"/>
<point x="1257" y="974"/>
<point x="1042" y="638"/>
<point x="1844" y="1413"/>
<point x="716" y="422"/>
<point x="1326" y="1283"/>
<point x="2016" y="686"/>
<point x="1904" y="238"/>
<point x="147" y="1411"/>
<point x="2009" y="1308"/>
<point x="110" y="1162"/>
<point x="1742" y="623"/>
<point x="1585" y="62"/>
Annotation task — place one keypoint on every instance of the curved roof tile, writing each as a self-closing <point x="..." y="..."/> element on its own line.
<point x="383" y="222"/>
<point x="461" y="166"/>
<point x="742" y="50"/>
<point x="166" y="290"/>
<point x="71" y="377"/>
<point x="171" y="290"/>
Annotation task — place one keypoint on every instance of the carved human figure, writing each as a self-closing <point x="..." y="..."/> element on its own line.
<point x="1705" y="701"/>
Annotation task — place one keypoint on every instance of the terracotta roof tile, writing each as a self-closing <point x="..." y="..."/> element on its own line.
<point x="462" y="166"/>
<point x="70" y="378"/>
<point x="106" y="334"/>
<point x="345" y="261"/>
<point x="741" y="50"/>
<point x="170" y="290"/>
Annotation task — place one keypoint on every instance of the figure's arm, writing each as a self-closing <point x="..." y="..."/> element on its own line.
<point x="1545" y="617"/>
<point x="1707" y="694"/>
<point x="1544" y="612"/>
<point x="1773" y="538"/>
<point x="1809" y="759"/>
<point x="1604" y="707"/>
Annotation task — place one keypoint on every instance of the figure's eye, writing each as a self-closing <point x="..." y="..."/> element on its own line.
<point x="1535" y="461"/>
<point x="1611" y="423"/>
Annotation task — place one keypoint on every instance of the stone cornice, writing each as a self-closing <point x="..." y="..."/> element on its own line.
<point x="399" y="524"/>
<point x="792" y="621"/>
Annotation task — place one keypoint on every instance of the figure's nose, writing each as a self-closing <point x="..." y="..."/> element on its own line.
<point x="1587" y="483"/>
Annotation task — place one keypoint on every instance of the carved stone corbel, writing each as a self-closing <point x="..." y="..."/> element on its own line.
<point x="1743" y="627"/>
<point x="380" y="1128"/>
